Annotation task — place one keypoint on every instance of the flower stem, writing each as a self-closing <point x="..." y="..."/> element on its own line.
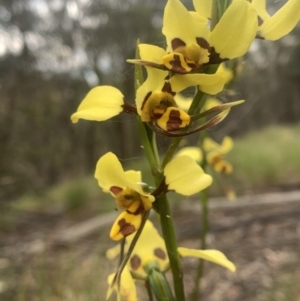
<point x="168" y="230"/>
<point x="205" y="225"/>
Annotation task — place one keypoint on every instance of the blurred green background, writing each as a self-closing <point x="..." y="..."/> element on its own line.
<point x="51" y="54"/>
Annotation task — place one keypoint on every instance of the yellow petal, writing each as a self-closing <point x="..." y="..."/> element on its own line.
<point x="210" y="255"/>
<point x="260" y="8"/>
<point x="101" y="103"/>
<point x="133" y="176"/>
<point x="149" y="248"/>
<point x="127" y="222"/>
<point x="188" y="180"/>
<point x="128" y="289"/>
<point x="151" y="53"/>
<point x="236" y="30"/>
<point x="203" y="7"/>
<point x="210" y="103"/>
<point x="225" y="72"/>
<point x="282" y="22"/>
<point x="210" y="145"/>
<point x="154" y="83"/>
<point x="208" y="83"/>
<point x="178" y="23"/>
<point x="109" y="172"/>
<point x="194" y="152"/>
<point x="227" y="144"/>
<point x="183" y="103"/>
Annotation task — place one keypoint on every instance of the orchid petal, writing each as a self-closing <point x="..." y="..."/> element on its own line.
<point x="188" y="180"/>
<point x="109" y="172"/>
<point x="203" y="7"/>
<point x="100" y="104"/>
<point x="194" y="152"/>
<point x="214" y="256"/>
<point x="282" y="22"/>
<point x="236" y="30"/>
<point x="128" y="288"/>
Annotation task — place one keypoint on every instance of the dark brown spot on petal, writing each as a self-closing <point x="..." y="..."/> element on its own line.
<point x="203" y="43"/>
<point x="260" y="20"/>
<point x="145" y="99"/>
<point x="126" y="228"/>
<point x="177" y="43"/>
<point x="167" y="88"/>
<point x="174" y="121"/>
<point x="135" y="262"/>
<point x="215" y="58"/>
<point x="115" y="190"/>
<point x="139" y="210"/>
<point x="176" y="65"/>
<point x="160" y="253"/>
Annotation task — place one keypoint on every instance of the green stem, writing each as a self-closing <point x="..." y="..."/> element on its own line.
<point x="205" y="226"/>
<point x="149" y="290"/>
<point x="168" y="230"/>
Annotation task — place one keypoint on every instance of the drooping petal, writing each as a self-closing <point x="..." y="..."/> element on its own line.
<point x="236" y="30"/>
<point x="128" y="289"/>
<point x="203" y="7"/>
<point x="127" y="222"/>
<point x="282" y="22"/>
<point x="210" y="255"/>
<point x="210" y="145"/>
<point x="100" y="104"/>
<point x="208" y="83"/>
<point x="194" y="152"/>
<point x="188" y="180"/>
<point x="180" y="27"/>
<point x="109" y="172"/>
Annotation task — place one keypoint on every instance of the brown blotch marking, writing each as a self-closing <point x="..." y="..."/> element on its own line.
<point x="176" y="65"/>
<point x="138" y="211"/>
<point x="126" y="228"/>
<point x="177" y="43"/>
<point x="115" y="190"/>
<point x="167" y="88"/>
<point x="174" y="121"/>
<point x="215" y="58"/>
<point x="160" y="253"/>
<point x="135" y="262"/>
<point x="203" y="43"/>
<point x="145" y="99"/>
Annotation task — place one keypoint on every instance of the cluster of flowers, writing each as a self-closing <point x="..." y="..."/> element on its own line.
<point x="195" y="43"/>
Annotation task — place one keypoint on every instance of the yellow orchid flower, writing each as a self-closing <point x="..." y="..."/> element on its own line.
<point x="129" y="192"/>
<point x="192" y="44"/>
<point x="100" y="104"/>
<point x="150" y="248"/>
<point x="270" y="27"/>
<point x="214" y="154"/>
<point x="127" y="289"/>
<point x="155" y="99"/>
<point x="281" y="23"/>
